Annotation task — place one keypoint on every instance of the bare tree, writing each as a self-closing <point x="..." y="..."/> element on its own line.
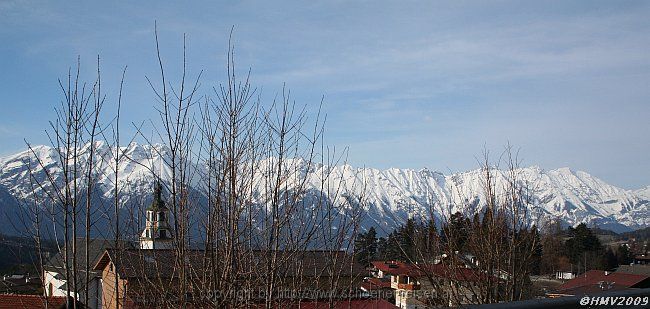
<point x="249" y="181"/>
<point x="482" y="254"/>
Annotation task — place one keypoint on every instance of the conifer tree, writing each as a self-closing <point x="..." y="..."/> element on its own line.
<point x="623" y="255"/>
<point x="365" y="246"/>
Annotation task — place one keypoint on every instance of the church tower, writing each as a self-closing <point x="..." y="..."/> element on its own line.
<point x="157" y="232"/>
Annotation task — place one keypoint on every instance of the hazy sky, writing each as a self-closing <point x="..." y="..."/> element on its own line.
<point x="406" y="84"/>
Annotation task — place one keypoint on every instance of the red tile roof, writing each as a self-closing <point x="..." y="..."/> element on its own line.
<point x="13" y="301"/>
<point x="351" y="304"/>
<point x="592" y="280"/>
<point x="375" y="284"/>
<point x="379" y="283"/>
<point x="392" y="267"/>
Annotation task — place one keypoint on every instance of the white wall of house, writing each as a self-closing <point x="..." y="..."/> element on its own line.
<point x="564" y="275"/>
<point x="407" y="300"/>
<point x="55" y="287"/>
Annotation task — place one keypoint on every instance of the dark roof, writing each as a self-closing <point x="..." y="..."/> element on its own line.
<point x="635" y="269"/>
<point x="24" y="285"/>
<point x="11" y="301"/>
<point x="341" y="304"/>
<point x="96" y="247"/>
<point x="345" y="304"/>
<point x="135" y="263"/>
<point x="593" y="289"/>
<point x="312" y="263"/>
<point x="457" y="273"/>
<point x="599" y="281"/>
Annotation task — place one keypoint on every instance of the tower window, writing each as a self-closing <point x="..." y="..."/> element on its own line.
<point x="163" y="234"/>
<point x="161" y="216"/>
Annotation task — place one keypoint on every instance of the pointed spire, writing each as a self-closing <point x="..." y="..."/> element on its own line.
<point x="158" y="203"/>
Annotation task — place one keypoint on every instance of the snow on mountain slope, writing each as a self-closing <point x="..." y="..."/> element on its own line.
<point x="390" y="196"/>
<point x="572" y="196"/>
<point x="645" y="192"/>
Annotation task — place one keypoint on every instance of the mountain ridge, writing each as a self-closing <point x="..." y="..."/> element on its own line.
<point x="390" y="195"/>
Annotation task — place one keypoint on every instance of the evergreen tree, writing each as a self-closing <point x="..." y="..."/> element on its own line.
<point x="536" y="260"/>
<point x="371" y="243"/>
<point x="456" y="231"/>
<point x="365" y="246"/>
<point x="609" y="259"/>
<point x="430" y="241"/>
<point x="623" y="255"/>
<point x="406" y="241"/>
<point x="584" y="248"/>
<point x="393" y="251"/>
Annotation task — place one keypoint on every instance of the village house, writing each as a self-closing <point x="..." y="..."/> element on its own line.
<point x="156" y="235"/>
<point x="145" y="277"/>
<point x="341" y="304"/>
<point x="565" y="273"/>
<point x="599" y="281"/>
<point x="380" y="287"/>
<point x="55" y="278"/>
<point x="13" y="301"/>
<point x="642" y="259"/>
<point x="637" y="269"/>
<point x="148" y="275"/>
<point x="418" y="286"/>
<point x="20" y="284"/>
<point x="145" y="274"/>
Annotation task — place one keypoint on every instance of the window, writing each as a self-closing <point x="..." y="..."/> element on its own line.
<point x="161" y="216"/>
<point x="163" y="234"/>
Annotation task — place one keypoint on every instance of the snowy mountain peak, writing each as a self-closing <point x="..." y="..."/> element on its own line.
<point x="390" y="195"/>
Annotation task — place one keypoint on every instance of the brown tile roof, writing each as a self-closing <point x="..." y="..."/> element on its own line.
<point x="12" y="301"/>
<point x="341" y="304"/>
<point x="635" y="269"/>
<point x="423" y="270"/>
<point x="135" y="263"/>
<point x="351" y="304"/>
<point x="598" y="280"/>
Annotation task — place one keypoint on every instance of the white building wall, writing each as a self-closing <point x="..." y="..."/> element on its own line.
<point x="53" y="284"/>
<point x="94" y="289"/>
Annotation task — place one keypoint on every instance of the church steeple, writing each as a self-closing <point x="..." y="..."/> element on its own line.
<point x="157" y="232"/>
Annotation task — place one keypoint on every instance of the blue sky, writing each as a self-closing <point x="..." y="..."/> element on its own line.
<point x="406" y="83"/>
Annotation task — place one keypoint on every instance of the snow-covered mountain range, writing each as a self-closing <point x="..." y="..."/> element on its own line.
<point x="390" y="196"/>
